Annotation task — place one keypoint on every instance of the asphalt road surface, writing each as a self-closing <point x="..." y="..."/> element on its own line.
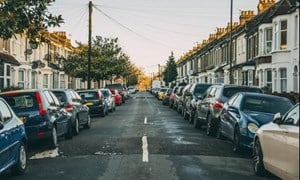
<point x="142" y="139"/>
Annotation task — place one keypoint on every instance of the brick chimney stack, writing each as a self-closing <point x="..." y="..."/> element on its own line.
<point x="246" y="16"/>
<point x="264" y="5"/>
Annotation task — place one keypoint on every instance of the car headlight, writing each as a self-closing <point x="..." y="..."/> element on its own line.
<point x="252" y="127"/>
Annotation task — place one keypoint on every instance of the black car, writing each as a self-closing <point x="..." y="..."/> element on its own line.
<point x="73" y="103"/>
<point x="193" y="94"/>
<point x="210" y="105"/>
<point x="43" y="115"/>
<point x="94" y="99"/>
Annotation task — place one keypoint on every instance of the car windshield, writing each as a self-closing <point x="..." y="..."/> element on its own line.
<point x="61" y="96"/>
<point x="230" y="91"/>
<point x="266" y="104"/>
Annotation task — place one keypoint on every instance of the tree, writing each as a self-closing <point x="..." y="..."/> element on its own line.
<point x="28" y="17"/>
<point x="170" y="73"/>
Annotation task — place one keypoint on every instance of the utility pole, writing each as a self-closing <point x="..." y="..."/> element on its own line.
<point x="230" y="46"/>
<point x="90" y="45"/>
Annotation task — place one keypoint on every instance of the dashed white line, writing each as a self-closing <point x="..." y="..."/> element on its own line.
<point x="145" y="149"/>
<point x="145" y="120"/>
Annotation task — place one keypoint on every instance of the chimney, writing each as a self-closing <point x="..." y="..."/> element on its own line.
<point x="246" y="16"/>
<point x="264" y="5"/>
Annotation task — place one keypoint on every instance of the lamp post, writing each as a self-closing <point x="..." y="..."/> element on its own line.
<point x="230" y="45"/>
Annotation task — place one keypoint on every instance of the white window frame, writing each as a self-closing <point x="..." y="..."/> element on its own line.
<point x="276" y="37"/>
<point x="45" y="80"/>
<point x="21" y="78"/>
<point x="268" y="42"/>
<point x="282" y="32"/>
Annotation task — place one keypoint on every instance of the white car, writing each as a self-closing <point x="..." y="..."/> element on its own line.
<point x="276" y="146"/>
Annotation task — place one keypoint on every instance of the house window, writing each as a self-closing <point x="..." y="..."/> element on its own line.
<point x="62" y="81"/>
<point x="296" y="39"/>
<point x="283" y="34"/>
<point x="276" y="36"/>
<point x="283" y="80"/>
<point x="269" y="79"/>
<point x="296" y="79"/>
<point x="34" y="80"/>
<point x="21" y="82"/>
<point x="268" y="41"/>
<point x="261" y="78"/>
<point x="45" y="81"/>
<point x="250" y="78"/>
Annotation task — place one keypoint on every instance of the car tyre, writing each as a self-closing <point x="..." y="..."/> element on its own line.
<point x="209" y="126"/>
<point x="258" y="164"/>
<point x="76" y="126"/>
<point x="20" y="167"/>
<point x="236" y="140"/>
<point x="197" y="123"/>
<point x="53" y="138"/>
<point x="88" y="122"/>
<point x="69" y="133"/>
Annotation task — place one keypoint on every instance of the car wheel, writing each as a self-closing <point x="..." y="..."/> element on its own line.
<point x="197" y="123"/>
<point x="258" y="164"/>
<point x="219" y="134"/>
<point x="21" y="165"/>
<point x="191" y="117"/>
<point x="53" y="139"/>
<point x="209" y="126"/>
<point x="236" y="140"/>
<point x="88" y="122"/>
<point x="76" y="126"/>
<point x="103" y="113"/>
<point x="69" y="133"/>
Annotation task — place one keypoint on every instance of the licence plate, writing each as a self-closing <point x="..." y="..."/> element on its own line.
<point x="89" y="104"/>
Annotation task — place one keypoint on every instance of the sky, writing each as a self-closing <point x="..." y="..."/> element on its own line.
<point x="149" y="30"/>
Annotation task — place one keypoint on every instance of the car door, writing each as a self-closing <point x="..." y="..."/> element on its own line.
<point x="81" y="108"/>
<point x="10" y="133"/>
<point x="289" y="131"/>
<point x="205" y="104"/>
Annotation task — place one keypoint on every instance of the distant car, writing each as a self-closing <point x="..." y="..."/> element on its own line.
<point x="120" y="88"/>
<point x="276" y="146"/>
<point x="178" y="99"/>
<point x="13" y="141"/>
<point x="110" y="100"/>
<point x="117" y="97"/>
<point x="194" y="93"/>
<point x="94" y="99"/>
<point x="172" y="96"/>
<point x="161" y="93"/>
<point x="210" y="105"/>
<point x="43" y="115"/>
<point x="72" y="102"/>
<point x="165" y="100"/>
<point x="245" y="112"/>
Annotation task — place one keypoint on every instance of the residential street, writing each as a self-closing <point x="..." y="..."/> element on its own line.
<point x="142" y="139"/>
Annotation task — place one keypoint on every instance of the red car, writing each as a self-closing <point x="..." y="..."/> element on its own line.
<point x="117" y="96"/>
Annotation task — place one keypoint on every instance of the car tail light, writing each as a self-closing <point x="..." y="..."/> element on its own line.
<point x="42" y="111"/>
<point x="218" y="105"/>
<point x="68" y="107"/>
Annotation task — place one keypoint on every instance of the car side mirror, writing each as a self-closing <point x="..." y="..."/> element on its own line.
<point x="277" y="118"/>
<point x="233" y="109"/>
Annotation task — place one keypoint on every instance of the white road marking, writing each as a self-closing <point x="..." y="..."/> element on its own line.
<point x="145" y="149"/>
<point x="145" y="120"/>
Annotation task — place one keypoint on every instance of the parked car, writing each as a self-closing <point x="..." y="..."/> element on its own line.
<point x="73" y="103"/>
<point x="161" y="93"/>
<point x="110" y="100"/>
<point x="245" y="112"/>
<point x="94" y="99"/>
<point x="120" y="88"/>
<point x="172" y="96"/>
<point x="117" y="97"/>
<point x="210" y="105"/>
<point x="185" y="94"/>
<point x="13" y="141"/>
<point x="276" y="146"/>
<point x="43" y="115"/>
<point x="165" y="100"/>
<point x="193" y="94"/>
<point x="178" y="99"/>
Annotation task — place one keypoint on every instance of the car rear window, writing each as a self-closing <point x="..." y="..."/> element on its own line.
<point x="105" y="93"/>
<point x="61" y="96"/>
<point x="200" y="89"/>
<point x="21" y="100"/>
<point x="89" y="95"/>
<point x="230" y="91"/>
